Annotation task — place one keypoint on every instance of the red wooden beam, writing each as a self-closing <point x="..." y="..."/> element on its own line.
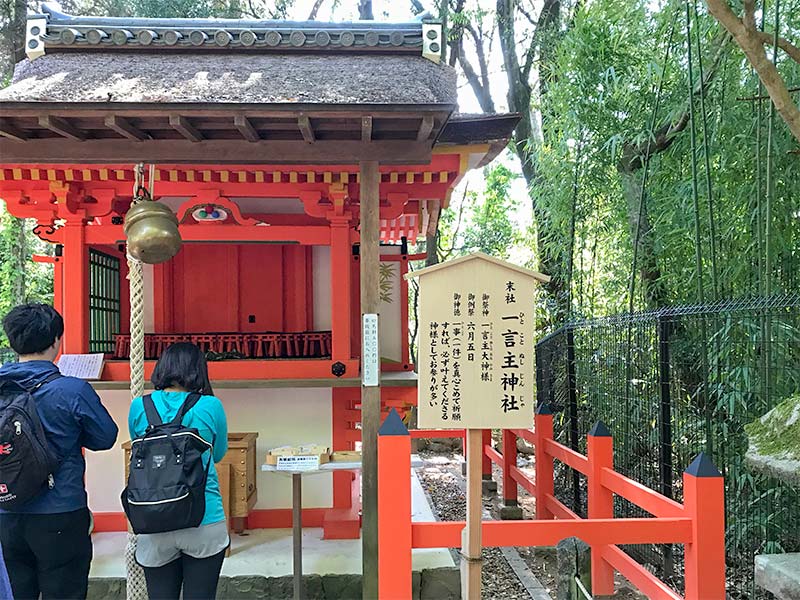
<point x="526" y="434"/>
<point x="284" y="370"/>
<point x="566" y="455"/>
<point x="559" y="510"/>
<point x="647" y="583"/>
<point x="316" y="235"/>
<point x="523" y="480"/>
<point x="447" y="534"/>
<point x="641" y="496"/>
<point x="494" y="455"/>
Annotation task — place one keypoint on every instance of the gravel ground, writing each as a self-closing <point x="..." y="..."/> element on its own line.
<point x="441" y="477"/>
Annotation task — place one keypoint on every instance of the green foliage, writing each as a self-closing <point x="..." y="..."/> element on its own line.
<point x="21" y="280"/>
<point x="482" y="221"/>
<point x="607" y="68"/>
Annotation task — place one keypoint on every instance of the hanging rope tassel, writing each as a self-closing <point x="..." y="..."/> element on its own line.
<point x="136" y="587"/>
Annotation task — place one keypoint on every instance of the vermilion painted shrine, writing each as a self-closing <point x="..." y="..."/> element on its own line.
<point x="301" y="159"/>
<point x="257" y="130"/>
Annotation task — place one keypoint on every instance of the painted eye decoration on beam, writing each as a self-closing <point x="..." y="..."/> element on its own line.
<point x="209" y="213"/>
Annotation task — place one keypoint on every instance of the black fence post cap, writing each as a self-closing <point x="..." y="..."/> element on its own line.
<point x="703" y="466"/>
<point x="544" y="409"/>
<point x="599" y="429"/>
<point x="393" y="425"/>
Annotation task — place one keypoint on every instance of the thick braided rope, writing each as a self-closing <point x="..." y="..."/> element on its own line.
<point x="136" y="587"/>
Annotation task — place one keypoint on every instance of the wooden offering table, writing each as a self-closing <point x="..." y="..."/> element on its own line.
<point x="297" y="505"/>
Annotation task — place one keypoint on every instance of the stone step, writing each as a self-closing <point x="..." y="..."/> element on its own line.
<point x="430" y="584"/>
<point x="779" y="574"/>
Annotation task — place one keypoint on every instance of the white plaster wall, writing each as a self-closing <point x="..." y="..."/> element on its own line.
<point x="287" y="416"/>
<point x="322" y="287"/>
<point x="391" y="347"/>
<point x="149" y="291"/>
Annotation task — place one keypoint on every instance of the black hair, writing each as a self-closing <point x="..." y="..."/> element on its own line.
<point x="182" y="364"/>
<point x="33" y="328"/>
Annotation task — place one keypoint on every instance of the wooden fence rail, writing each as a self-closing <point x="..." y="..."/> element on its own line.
<point x="698" y="523"/>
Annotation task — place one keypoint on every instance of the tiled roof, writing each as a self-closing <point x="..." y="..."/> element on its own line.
<point x="55" y="31"/>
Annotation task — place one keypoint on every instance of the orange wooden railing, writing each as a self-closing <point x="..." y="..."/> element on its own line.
<point x="698" y="523"/>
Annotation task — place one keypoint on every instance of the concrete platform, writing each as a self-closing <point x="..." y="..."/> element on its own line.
<point x="260" y="565"/>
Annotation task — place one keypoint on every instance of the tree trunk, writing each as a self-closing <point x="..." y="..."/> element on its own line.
<point x="647" y="259"/>
<point x="528" y="138"/>
<point x="751" y="41"/>
<point x="365" y="10"/>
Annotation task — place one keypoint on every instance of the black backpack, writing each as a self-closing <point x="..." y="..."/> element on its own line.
<point x="27" y="462"/>
<point x="167" y="480"/>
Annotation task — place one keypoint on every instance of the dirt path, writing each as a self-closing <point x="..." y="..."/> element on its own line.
<point x="442" y="480"/>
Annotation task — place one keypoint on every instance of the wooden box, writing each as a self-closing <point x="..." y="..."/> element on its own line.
<point x="272" y="459"/>
<point x="242" y="458"/>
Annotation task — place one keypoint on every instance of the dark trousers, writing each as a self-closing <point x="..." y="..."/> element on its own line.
<point x="47" y="554"/>
<point x="198" y="576"/>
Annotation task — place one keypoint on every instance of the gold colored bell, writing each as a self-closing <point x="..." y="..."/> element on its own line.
<point x="152" y="232"/>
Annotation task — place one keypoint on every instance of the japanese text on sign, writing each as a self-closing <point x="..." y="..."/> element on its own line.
<point x="476" y="347"/>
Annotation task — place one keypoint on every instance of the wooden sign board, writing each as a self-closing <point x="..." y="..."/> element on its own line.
<point x="476" y="363"/>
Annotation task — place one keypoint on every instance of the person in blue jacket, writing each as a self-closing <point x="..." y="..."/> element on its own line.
<point x="188" y="558"/>
<point x="47" y="541"/>
<point x="5" y="584"/>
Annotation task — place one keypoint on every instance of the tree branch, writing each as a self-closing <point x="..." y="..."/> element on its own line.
<point x="634" y="154"/>
<point x="750" y="14"/>
<point x="752" y="45"/>
<point x="315" y="9"/>
<point x="791" y="50"/>
<point x="479" y="49"/>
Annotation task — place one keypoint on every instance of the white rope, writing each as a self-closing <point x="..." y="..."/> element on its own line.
<point x="135" y="584"/>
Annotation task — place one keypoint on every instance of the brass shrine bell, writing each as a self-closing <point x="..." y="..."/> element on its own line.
<point x="152" y="232"/>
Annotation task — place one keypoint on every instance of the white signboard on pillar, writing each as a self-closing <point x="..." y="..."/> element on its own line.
<point x="371" y="356"/>
<point x="476" y="362"/>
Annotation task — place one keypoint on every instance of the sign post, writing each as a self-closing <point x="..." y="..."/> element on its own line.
<point x="476" y="367"/>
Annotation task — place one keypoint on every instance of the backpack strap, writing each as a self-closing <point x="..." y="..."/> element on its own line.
<point x="49" y="379"/>
<point x="153" y="418"/>
<point x="187" y="405"/>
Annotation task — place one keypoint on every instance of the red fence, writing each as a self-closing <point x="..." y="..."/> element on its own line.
<point x="698" y="523"/>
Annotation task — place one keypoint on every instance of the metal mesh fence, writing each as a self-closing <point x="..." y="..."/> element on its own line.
<point x="672" y="383"/>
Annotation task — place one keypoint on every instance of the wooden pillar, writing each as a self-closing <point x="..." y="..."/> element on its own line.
<point x="545" y="485"/>
<point x="471" y="535"/>
<point x="394" y="525"/>
<point x="704" y="503"/>
<point x="340" y="290"/>
<point x="370" y="396"/>
<point x="76" y="289"/>
<point x="600" y="452"/>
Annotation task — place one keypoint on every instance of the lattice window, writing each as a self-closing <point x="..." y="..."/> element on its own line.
<point x="104" y="301"/>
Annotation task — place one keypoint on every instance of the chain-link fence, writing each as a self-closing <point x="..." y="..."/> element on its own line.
<point x="669" y="384"/>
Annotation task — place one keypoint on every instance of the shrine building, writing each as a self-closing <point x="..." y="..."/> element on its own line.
<point x="265" y="137"/>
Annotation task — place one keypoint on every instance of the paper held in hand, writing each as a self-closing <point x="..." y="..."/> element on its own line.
<point x="82" y="366"/>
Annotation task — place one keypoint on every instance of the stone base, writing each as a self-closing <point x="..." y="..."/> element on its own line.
<point x="489" y="485"/>
<point x="429" y="584"/>
<point x="779" y="574"/>
<point x="511" y="512"/>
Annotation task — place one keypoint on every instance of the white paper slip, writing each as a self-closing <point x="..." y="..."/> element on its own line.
<point x="298" y="463"/>
<point x="82" y="366"/>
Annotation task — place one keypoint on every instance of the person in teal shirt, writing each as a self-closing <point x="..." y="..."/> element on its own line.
<point x="187" y="558"/>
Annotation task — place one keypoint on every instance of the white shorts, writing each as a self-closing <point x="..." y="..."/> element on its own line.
<point x="158" y="549"/>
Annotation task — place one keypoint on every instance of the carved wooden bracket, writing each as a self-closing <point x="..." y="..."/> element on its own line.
<point x="210" y="201"/>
